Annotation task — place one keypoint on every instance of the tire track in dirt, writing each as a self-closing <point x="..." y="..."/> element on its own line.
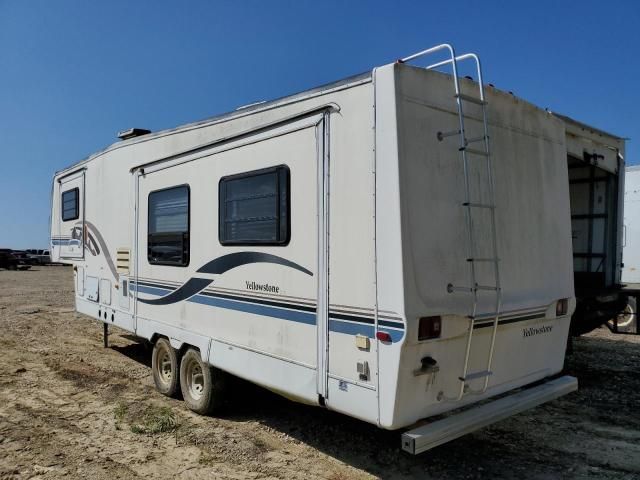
<point x="60" y="392"/>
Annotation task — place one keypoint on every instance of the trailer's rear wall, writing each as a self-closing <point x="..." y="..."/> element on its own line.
<point x="531" y="194"/>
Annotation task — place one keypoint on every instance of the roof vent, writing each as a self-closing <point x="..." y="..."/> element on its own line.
<point x="132" y="132"/>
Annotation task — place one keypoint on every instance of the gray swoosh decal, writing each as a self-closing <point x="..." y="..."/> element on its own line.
<point x="233" y="260"/>
<point x="218" y="266"/>
<point x="102" y="245"/>
<point x="188" y="290"/>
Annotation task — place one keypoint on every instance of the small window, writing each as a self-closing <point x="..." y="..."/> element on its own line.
<point x="254" y="208"/>
<point x="71" y="205"/>
<point x="168" y="229"/>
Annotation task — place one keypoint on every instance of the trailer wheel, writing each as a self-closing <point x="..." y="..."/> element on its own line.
<point x="202" y="385"/>
<point x="165" y="368"/>
<point x="627" y="320"/>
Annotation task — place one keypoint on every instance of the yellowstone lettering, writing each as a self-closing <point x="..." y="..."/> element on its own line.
<point x="528" y="332"/>
<point x="262" y="287"/>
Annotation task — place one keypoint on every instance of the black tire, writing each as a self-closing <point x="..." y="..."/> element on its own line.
<point x="628" y="320"/>
<point x="202" y="386"/>
<point x="165" y="368"/>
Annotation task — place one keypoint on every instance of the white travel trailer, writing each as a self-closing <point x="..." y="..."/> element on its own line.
<point x="392" y="246"/>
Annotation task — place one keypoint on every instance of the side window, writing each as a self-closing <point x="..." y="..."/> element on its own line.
<point x="168" y="229"/>
<point x="254" y="208"/>
<point x="70" y="204"/>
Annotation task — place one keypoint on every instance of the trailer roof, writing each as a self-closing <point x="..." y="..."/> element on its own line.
<point x="587" y="127"/>
<point x="347" y="82"/>
<point x="262" y="106"/>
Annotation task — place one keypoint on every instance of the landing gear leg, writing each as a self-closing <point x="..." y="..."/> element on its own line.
<point x="105" y="334"/>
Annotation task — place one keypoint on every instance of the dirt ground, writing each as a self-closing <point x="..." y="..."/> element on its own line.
<point x="71" y="408"/>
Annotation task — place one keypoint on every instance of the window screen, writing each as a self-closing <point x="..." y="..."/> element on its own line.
<point x="71" y="205"/>
<point x="254" y="208"/>
<point x="168" y="230"/>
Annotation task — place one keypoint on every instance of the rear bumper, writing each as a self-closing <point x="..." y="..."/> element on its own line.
<point x="433" y="434"/>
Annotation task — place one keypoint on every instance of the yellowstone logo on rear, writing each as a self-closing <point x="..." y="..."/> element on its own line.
<point x="529" y="332"/>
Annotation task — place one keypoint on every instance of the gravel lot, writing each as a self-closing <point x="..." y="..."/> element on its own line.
<point x="70" y="408"/>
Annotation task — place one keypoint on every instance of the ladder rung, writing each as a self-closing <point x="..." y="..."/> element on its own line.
<point x="451" y="289"/>
<point x="478" y="205"/>
<point x="493" y="260"/>
<point x="475" y="139"/>
<point x="487" y="287"/>
<point x="442" y="135"/>
<point x="485" y="317"/>
<point x="474" y="151"/>
<point x="474" y="375"/>
<point x="468" y="98"/>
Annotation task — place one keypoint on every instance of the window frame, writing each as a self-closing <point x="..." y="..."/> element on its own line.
<point x="76" y="215"/>
<point x="287" y="199"/>
<point x="185" y="262"/>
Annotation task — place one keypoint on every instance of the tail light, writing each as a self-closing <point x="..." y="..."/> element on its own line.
<point x="429" y="327"/>
<point x="383" y="336"/>
<point x="562" y="307"/>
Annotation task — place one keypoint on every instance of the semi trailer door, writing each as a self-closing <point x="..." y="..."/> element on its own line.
<point x="594" y="215"/>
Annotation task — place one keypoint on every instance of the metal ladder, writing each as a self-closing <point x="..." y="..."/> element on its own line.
<point x="470" y="153"/>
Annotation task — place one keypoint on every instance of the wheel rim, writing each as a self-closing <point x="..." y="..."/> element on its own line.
<point x="627" y="317"/>
<point x="163" y="365"/>
<point x="195" y="379"/>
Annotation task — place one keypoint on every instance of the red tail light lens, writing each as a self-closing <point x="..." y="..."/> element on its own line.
<point x="383" y="336"/>
<point x="562" y="307"/>
<point x="429" y="327"/>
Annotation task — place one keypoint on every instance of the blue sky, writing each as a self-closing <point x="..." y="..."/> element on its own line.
<point x="73" y="73"/>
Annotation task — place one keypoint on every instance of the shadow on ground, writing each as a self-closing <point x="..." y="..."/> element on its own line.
<point x="138" y="351"/>
<point x="540" y="443"/>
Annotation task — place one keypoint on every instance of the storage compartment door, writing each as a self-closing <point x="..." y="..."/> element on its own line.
<point x="69" y="238"/>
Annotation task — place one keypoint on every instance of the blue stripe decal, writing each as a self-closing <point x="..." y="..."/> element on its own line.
<point x="335" y="325"/>
<point x="351" y="328"/>
<point x="354" y="329"/>
<point x="396" y="335"/>
<point x="293" y="315"/>
<point x="150" y="290"/>
<point x="186" y="290"/>
<point x="217" y="266"/>
<point x="73" y="241"/>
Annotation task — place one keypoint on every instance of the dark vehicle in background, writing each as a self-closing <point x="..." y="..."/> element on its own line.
<point x="40" y="256"/>
<point x="24" y="257"/>
<point x="9" y="261"/>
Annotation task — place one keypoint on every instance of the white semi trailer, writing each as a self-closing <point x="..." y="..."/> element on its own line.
<point x="627" y="322"/>
<point x="596" y="184"/>
<point x="391" y="246"/>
